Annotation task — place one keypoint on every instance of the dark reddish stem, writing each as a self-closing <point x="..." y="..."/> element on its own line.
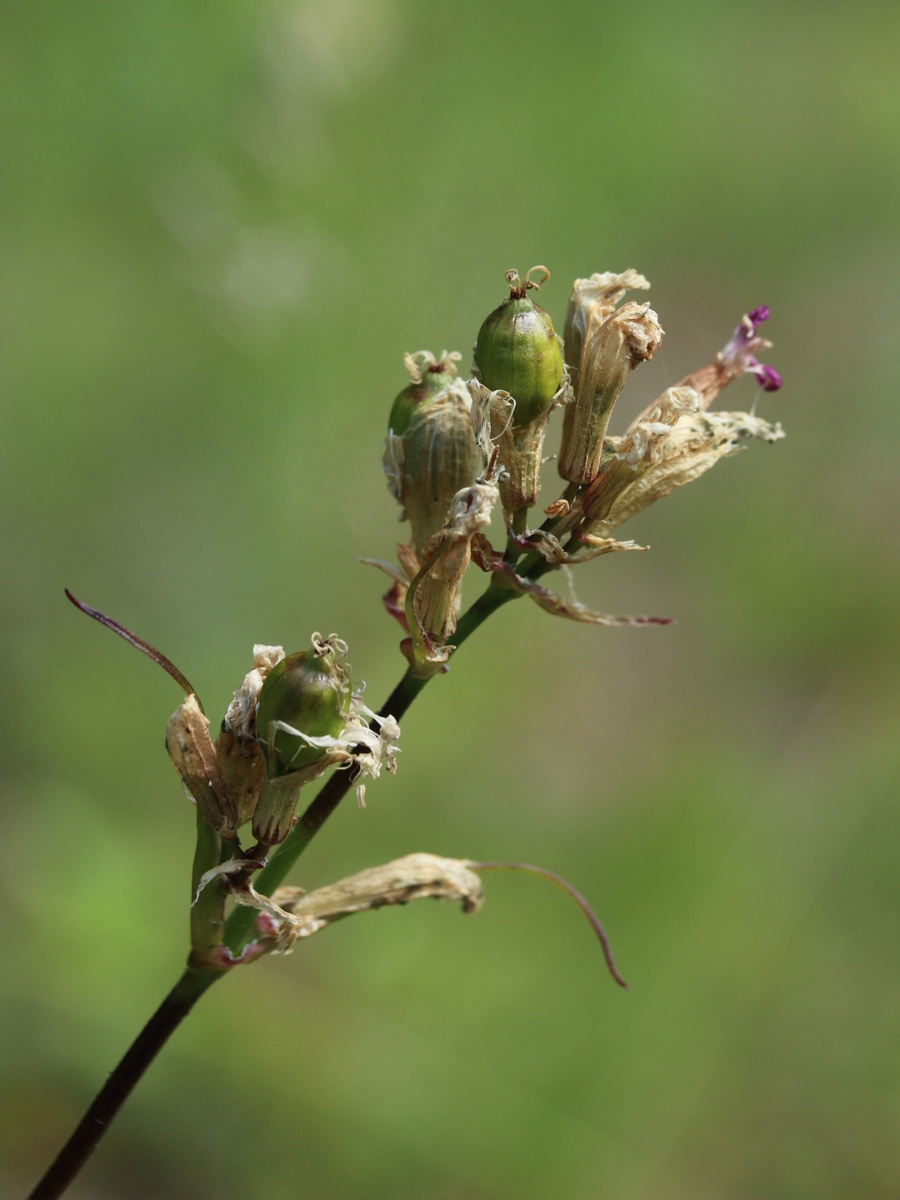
<point x="138" y="642"/>
<point x="121" y="1082"/>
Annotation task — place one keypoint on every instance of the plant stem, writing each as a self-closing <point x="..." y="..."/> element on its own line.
<point x="207" y="904"/>
<point x="92" y="1126"/>
<point x="196" y="979"/>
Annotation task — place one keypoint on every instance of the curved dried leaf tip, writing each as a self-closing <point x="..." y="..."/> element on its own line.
<point x="291" y="914"/>
<point x="134" y="640"/>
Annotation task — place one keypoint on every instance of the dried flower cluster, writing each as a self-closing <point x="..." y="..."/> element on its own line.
<point x="454" y="450"/>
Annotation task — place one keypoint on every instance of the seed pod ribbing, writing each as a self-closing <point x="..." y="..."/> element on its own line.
<point x="306" y="697"/>
<point x="303" y="692"/>
<point x="440" y="457"/>
<point x="518" y="352"/>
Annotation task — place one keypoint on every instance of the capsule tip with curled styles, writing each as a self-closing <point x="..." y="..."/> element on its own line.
<point x="517" y="350"/>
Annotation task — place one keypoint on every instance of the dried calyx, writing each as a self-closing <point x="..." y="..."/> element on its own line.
<point x="603" y="346"/>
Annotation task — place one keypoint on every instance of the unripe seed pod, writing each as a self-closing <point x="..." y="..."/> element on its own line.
<point x="430" y="376"/>
<point x="306" y="692"/>
<point x="518" y="352"/>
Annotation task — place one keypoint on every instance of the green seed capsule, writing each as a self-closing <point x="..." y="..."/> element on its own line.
<point x="430" y="376"/>
<point x="517" y="350"/>
<point x="306" y="692"/>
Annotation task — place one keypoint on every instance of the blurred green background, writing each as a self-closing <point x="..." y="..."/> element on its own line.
<point x="220" y="228"/>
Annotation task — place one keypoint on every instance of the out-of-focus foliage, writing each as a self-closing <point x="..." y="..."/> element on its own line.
<point x="220" y="228"/>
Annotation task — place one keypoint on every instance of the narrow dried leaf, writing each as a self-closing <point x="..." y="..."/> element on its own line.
<point x="296" y="914"/>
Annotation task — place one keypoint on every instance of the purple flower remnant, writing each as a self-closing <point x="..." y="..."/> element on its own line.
<point x="767" y="377"/>
<point x="738" y="354"/>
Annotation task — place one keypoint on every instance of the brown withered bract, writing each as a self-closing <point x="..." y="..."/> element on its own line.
<point x="192" y="752"/>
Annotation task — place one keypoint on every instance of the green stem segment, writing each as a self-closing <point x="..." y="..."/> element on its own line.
<point x="208" y="903"/>
<point x="207" y="925"/>
<point x="517" y="528"/>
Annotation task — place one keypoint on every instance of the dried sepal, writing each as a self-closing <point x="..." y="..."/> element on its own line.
<point x="389" y="568"/>
<point x="239" y="753"/>
<point x="193" y="755"/>
<point x="611" y="349"/>
<point x="596" y="547"/>
<point x="553" y="552"/>
<point x="492" y="414"/>
<point x="519" y="448"/>
<point x="231" y="866"/>
<point x="574" y="610"/>
<point x="433" y="597"/>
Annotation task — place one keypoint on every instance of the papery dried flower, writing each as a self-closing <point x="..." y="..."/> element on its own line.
<point x="672" y="444"/>
<point x="293" y="914"/>
<point x="591" y="301"/>
<point x="610" y="351"/>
